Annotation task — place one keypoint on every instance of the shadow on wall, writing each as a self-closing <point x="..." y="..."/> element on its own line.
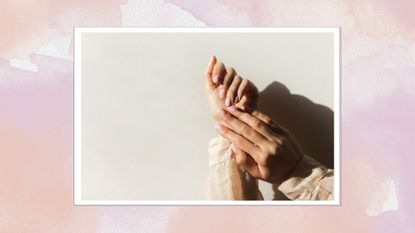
<point x="311" y="124"/>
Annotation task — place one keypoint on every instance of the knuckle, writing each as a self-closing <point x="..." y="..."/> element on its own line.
<point x="230" y="70"/>
<point x="255" y="113"/>
<point x="257" y="124"/>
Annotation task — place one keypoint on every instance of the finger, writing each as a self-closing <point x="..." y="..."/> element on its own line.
<point x="243" y="129"/>
<point x="232" y="91"/>
<point x="243" y="89"/>
<point x="267" y="120"/>
<point x="208" y="72"/>
<point x="253" y="121"/>
<point x="230" y="74"/>
<point x="240" y="141"/>
<point x="221" y="92"/>
<point x="209" y="68"/>
<point x="218" y="73"/>
<point x="274" y="126"/>
<point x="246" y="162"/>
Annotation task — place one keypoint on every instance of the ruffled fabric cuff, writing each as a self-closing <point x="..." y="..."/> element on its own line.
<point x="310" y="180"/>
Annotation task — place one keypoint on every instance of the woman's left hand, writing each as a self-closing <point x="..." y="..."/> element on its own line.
<point x="224" y="87"/>
<point x="262" y="148"/>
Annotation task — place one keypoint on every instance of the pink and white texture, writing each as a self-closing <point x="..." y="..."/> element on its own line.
<point x="378" y="100"/>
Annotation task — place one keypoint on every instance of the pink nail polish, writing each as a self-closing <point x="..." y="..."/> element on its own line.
<point x="234" y="149"/>
<point x="232" y="108"/>
<point x="222" y="92"/>
<point x="228" y="101"/>
<point x="221" y="112"/>
<point x="218" y="127"/>
<point x="215" y="78"/>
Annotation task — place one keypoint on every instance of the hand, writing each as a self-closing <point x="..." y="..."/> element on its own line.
<point x="262" y="148"/>
<point x="225" y="88"/>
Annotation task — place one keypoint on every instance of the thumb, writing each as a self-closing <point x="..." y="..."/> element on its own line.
<point x="208" y="72"/>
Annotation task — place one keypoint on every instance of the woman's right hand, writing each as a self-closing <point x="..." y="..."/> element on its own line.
<point x="263" y="148"/>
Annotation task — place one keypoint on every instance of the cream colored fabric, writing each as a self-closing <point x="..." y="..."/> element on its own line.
<point x="225" y="180"/>
<point x="309" y="180"/>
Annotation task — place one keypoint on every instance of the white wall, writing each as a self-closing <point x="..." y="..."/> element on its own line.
<point x="145" y="120"/>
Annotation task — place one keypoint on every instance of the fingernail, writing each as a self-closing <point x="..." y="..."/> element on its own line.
<point x="228" y="101"/>
<point x="222" y="92"/>
<point x="221" y="112"/>
<point x="237" y="99"/>
<point x="218" y="127"/>
<point x="233" y="147"/>
<point x="232" y="108"/>
<point x="215" y="78"/>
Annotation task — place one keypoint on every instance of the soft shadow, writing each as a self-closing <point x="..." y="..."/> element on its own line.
<point x="311" y="124"/>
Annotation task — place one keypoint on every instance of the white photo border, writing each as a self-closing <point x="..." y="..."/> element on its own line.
<point x="336" y="31"/>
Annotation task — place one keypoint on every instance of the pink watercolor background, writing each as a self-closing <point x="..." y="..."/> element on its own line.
<point x="378" y="130"/>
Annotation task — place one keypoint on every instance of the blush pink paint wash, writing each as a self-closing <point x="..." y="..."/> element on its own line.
<point x="36" y="116"/>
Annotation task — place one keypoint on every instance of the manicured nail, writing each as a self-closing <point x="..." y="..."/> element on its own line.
<point x="218" y="127"/>
<point x="228" y="101"/>
<point x="222" y="92"/>
<point x="233" y="148"/>
<point x="232" y="108"/>
<point x="215" y="78"/>
<point x="221" y="112"/>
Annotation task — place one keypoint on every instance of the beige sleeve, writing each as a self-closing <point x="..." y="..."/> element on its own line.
<point x="310" y="180"/>
<point x="225" y="180"/>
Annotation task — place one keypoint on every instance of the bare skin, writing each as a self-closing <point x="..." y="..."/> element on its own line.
<point x="261" y="147"/>
<point x="224" y="87"/>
